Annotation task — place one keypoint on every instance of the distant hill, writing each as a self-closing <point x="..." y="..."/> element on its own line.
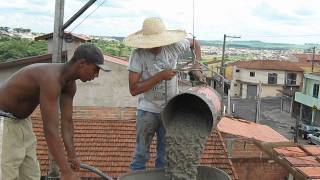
<point x="248" y="44"/>
<point x="257" y="45"/>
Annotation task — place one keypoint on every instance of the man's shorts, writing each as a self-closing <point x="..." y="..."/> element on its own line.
<point x="18" y="157"/>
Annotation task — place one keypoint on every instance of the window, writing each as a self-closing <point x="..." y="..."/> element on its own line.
<point x="252" y="74"/>
<point x="291" y="79"/>
<point x="315" y="90"/>
<point x="237" y="70"/>
<point x="272" y="78"/>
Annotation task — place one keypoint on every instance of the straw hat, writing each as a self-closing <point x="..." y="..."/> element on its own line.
<point x="154" y="34"/>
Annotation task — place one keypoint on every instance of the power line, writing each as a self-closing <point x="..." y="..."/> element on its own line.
<point x="87" y="16"/>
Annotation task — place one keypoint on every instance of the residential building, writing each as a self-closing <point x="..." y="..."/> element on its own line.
<point x="308" y="100"/>
<point x="251" y="162"/>
<point x="266" y="78"/>
<point x="307" y="61"/>
<point x="70" y="42"/>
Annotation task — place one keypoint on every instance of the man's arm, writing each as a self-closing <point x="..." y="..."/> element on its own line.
<point x="195" y="45"/>
<point x="67" y="128"/>
<point x="49" y="97"/>
<point x="137" y="87"/>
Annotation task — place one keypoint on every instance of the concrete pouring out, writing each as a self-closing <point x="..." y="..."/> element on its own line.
<point x="185" y="141"/>
<point x="188" y="120"/>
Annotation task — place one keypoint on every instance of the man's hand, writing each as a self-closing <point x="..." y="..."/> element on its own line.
<point x="167" y="74"/>
<point x="75" y="163"/>
<point x="198" y="76"/>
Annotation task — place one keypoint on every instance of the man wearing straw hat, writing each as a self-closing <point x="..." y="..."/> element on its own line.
<point x="152" y="74"/>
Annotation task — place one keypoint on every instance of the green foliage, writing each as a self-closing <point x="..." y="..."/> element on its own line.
<point x="15" y="48"/>
<point x="114" y="48"/>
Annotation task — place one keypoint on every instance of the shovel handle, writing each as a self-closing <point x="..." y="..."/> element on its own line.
<point x="95" y="170"/>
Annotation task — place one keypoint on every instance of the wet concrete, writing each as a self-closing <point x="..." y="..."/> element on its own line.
<point x="185" y="139"/>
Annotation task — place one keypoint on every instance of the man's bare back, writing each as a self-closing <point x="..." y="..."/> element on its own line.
<point x="20" y="94"/>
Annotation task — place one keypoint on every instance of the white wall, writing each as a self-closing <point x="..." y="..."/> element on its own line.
<point x="109" y="89"/>
<point x="69" y="47"/>
<point x="261" y="76"/>
<point x="271" y="91"/>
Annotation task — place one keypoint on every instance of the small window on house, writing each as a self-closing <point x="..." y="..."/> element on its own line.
<point x="237" y="70"/>
<point x="272" y="78"/>
<point x="315" y="90"/>
<point x="235" y="85"/>
<point x="252" y="74"/>
<point x="291" y="79"/>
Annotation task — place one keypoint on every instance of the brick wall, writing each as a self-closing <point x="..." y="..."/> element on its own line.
<point x="259" y="169"/>
<point x="250" y="162"/>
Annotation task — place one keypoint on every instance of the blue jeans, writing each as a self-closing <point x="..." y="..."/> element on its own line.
<point x="147" y="125"/>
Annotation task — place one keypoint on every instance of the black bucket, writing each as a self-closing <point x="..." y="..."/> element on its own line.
<point x="204" y="173"/>
<point x="203" y="101"/>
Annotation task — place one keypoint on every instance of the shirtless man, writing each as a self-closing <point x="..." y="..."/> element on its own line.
<point x="51" y="86"/>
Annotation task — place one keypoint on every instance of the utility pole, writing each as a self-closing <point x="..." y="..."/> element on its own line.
<point x="53" y="169"/>
<point x="258" y="108"/>
<point x="312" y="61"/>
<point x="296" y="134"/>
<point x="59" y="27"/>
<point x="223" y="52"/>
<point x="222" y="59"/>
<point x="57" y="33"/>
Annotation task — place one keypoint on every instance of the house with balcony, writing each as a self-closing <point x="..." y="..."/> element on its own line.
<point x="266" y="78"/>
<point x="308" y="100"/>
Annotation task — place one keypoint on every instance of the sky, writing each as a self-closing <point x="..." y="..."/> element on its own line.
<point x="277" y="21"/>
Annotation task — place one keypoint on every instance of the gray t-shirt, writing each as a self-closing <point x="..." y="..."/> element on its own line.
<point x="148" y="64"/>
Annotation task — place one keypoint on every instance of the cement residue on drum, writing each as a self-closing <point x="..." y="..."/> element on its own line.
<point x="185" y="139"/>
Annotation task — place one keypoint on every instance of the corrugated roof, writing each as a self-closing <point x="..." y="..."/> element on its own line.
<point x="248" y="129"/>
<point x="268" y="65"/>
<point x="109" y="144"/>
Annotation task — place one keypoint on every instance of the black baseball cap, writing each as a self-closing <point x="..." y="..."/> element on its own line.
<point x="91" y="54"/>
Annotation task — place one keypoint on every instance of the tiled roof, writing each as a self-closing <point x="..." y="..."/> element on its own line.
<point x="108" y="143"/>
<point x="302" y="161"/>
<point x="247" y="129"/>
<point x="116" y="60"/>
<point x="81" y="38"/>
<point x="268" y="65"/>
<point x="47" y="58"/>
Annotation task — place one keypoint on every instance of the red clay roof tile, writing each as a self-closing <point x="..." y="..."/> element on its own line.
<point x="310" y="172"/>
<point x="247" y="129"/>
<point x="312" y="150"/>
<point x="268" y="65"/>
<point x="109" y="144"/>
<point x="303" y="161"/>
<point x="290" y="151"/>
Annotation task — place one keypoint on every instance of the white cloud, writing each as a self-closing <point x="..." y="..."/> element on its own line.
<point x="268" y="20"/>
